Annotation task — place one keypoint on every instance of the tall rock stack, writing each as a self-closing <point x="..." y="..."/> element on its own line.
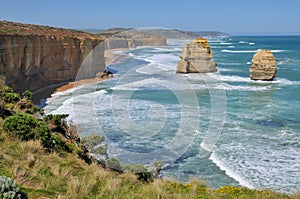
<point x="197" y="57"/>
<point x="264" y="66"/>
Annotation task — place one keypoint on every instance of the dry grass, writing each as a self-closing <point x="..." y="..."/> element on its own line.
<point x="53" y="175"/>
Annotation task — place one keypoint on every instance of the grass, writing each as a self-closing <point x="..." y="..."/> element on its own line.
<point x="44" y="173"/>
<point x="63" y="175"/>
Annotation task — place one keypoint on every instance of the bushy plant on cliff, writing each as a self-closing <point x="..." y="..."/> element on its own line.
<point x="9" y="189"/>
<point x="57" y="119"/>
<point x="23" y="126"/>
<point x="93" y="144"/>
<point x="27" y="94"/>
<point x="8" y="95"/>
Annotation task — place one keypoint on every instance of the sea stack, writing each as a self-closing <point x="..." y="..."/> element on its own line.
<point x="264" y="66"/>
<point x="197" y="57"/>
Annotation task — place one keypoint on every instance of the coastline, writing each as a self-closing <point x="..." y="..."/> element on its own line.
<point x="112" y="56"/>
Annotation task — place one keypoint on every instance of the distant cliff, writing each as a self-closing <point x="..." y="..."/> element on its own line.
<point x="34" y="57"/>
<point x="130" y="38"/>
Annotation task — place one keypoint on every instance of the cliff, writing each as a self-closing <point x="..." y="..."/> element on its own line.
<point x="131" y="38"/>
<point x="34" y="57"/>
<point x="119" y="42"/>
<point x="196" y="57"/>
<point x="264" y="66"/>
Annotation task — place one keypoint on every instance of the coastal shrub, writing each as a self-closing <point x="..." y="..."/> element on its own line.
<point x="9" y="189"/>
<point x="21" y="126"/>
<point x="26" y="127"/>
<point x="102" y="150"/>
<point x="91" y="141"/>
<point x="27" y="94"/>
<point x="229" y="190"/>
<point x="140" y="171"/>
<point x="113" y="163"/>
<point x="8" y="95"/>
<point x="55" y="118"/>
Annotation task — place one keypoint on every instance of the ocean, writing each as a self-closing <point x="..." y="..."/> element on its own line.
<point x="222" y="128"/>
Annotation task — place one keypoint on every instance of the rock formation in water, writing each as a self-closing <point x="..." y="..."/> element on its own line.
<point x="264" y="66"/>
<point x="36" y="57"/>
<point x="197" y="57"/>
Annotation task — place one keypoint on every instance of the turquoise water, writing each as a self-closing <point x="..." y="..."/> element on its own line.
<point x="220" y="127"/>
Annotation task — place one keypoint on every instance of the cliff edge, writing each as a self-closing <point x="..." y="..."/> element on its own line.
<point x="37" y="57"/>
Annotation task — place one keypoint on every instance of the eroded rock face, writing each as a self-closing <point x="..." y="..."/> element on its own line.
<point x="264" y="66"/>
<point x="34" y="57"/>
<point x="197" y="57"/>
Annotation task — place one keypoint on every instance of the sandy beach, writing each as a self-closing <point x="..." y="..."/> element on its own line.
<point x="111" y="57"/>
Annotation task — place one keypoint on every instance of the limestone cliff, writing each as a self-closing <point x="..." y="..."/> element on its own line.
<point x="264" y="66"/>
<point x="131" y="38"/>
<point x="196" y="57"/>
<point x="34" y="57"/>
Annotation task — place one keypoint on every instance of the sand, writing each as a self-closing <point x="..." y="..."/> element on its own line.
<point x="111" y="57"/>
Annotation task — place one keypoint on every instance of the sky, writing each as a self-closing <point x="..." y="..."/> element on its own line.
<point x="236" y="17"/>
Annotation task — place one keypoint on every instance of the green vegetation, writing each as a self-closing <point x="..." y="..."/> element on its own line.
<point x="42" y="157"/>
<point x="9" y="189"/>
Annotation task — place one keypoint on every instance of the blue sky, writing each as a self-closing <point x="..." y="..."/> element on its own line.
<point x="237" y="17"/>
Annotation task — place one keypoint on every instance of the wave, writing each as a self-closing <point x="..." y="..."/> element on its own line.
<point x="231" y="47"/>
<point x="239" y="51"/>
<point x="251" y="43"/>
<point x="229" y="87"/>
<point x="225" y="43"/>
<point x="230" y="172"/>
<point x="229" y="64"/>
<point x="248" y="51"/>
<point x="233" y="78"/>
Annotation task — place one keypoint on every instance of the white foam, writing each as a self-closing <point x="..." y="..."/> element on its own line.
<point x="251" y="43"/>
<point x="249" y="62"/>
<point x="243" y="42"/>
<point x="231" y="47"/>
<point x="248" y="51"/>
<point x="229" y="87"/>
<point x="225" y="43"/>
<point x="230" y="172"/>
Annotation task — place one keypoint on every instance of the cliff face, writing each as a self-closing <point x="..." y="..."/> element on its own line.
<point x="132" y="39"/>
<point x="33" y="57"/>
<point x="264" y="66"/>
<point x="196" y="57"/>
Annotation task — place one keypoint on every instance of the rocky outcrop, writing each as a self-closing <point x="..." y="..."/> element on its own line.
<point x="34" y="57"/>
<point x="264" y="66"/>
<point x="197" y="57"/>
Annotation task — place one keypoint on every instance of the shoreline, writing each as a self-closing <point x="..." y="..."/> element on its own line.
<point x="111" y="56"/>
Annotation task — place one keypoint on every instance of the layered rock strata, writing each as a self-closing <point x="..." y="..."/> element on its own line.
<point x="197" y="57"/>
<point x="263" y="66"/>
<point x="35" y="57"/>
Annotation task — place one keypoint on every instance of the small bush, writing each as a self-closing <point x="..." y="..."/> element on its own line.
<point x="113" y="163"/>
<point x="21" y="126"/>
<point x="91" y="141"/>
<point x="27" y="94"/>
<point x="55" y="118"/>
<point x="8" y="94"/>
<point x="9" y="189"/>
